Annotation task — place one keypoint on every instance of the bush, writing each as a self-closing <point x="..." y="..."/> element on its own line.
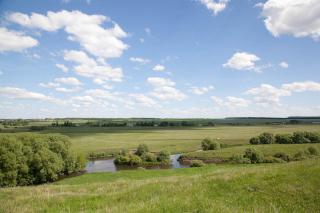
<point x="149" y="157"/>
<point x="27" y="159"/>
<point x="283" y="139"/>
<point x="142" y="149"/>
<point x="164" y="156"/>
<point x="266" y="138"/>
<point x="253" y="155"/>
<point x="254" y="140"/>
<point x="237" y="158"/>
<point x="271" y="159"/>
<point x="313" y="150"/>
<point x="300" y="156"/>
<point x="135" y="160"/>
<point x="122" y="160"/>
<point x="283" y="156"/>
<point x="312" y="137"/>
<point x="197" y="163"/>
<point x="299" y="137"/>
<point x="210" y="144"/>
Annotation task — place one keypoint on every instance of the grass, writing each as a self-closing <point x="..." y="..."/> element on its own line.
<point x="290" y="187"/>
<point x="175" y="139"/>
<point x="267" y="150"/>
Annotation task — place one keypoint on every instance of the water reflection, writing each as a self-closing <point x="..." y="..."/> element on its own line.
<point x="109" y="166"/>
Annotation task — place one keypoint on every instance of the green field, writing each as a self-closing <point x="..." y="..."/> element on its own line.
<point x="282" y="187"/>
<point x="289" y="187"/>
<point x="175" y="139"/>
<point x="267" y="150"/>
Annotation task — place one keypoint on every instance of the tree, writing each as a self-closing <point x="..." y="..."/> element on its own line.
<point x="266" y="138"/>
<point x="283" y="139"/>
<point x="142" y="149"/>
<point x="254" y="140"/>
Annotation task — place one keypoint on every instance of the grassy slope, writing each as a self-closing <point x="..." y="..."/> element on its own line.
<point x="87" y="140"/>
<point x="269" y="149"/>
<point x="291" y="187"/>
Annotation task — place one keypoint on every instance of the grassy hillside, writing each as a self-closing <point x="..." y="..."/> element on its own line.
<point x="289" y="187"/>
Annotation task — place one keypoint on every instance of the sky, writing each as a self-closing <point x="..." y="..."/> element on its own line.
<point x="168" y="58"/>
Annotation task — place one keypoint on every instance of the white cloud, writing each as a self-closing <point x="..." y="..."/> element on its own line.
<point x="243" y="61"/>
<point x="159" y="67"/>
<point x="230" y="101"/>
<point x="83" y="28"/>
<point x="147" y="30"/>
<point x="49" y="85"/>
<point x="300" y="18"/>
<point x="62" y="67"/>
<point x="15" y="41"/>
<point x="201" y="90"/>
<point x="267" y="94"/>
<point x="23" y="94"/>
<point x="139" y="60"/>
<point x="88" y="67"/>
<point x="284" y="65"/>
<point x="302" y="86"/>
<point x="164" y="89"/>
<point x="216" y="6"/>
<point x="144" y="100"/>
<point x="67" y="90"/>
<point x="68" y="81"/>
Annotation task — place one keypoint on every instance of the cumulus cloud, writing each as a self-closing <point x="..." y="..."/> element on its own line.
<point x="83" y="28"/>
<point x="267" y="94"/>
<point x="15" y="41"/>
<point x="159" y="67"/>
<point x="139" y="60"/>
<point x="302" y="86"/>
<point x="243" y="61"/>
<point x="62" y="67"/>
<point x="215" y="6"/>
<point x="68" y="81"/>
<point x="89" y="67"/>
<point x="230" y="101"/>
<point x="300" y="18"/>
<point x="284" y="65"/>
<point x="143" y="100"/>
<point x="201" y="90"/>
<point x="23" y="94"/>
<point x="163" y="89"/>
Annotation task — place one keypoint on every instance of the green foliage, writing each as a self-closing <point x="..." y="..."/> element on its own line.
<point x="149" y="157"/>
<point x="271" y="159"/>
<point x="313" y="137"/>
<point x="33" y="159"/>
<point x="142" y="149"/>
<point x="197" y="163"/>
<point x="283" y="139"/>
<point x="266" y="138"/>
<point x="299" y="137"/>
<point x="313" y="150"/>
<point x="164" y="156"/>
<point x="253" y="155"/>
<point x="210" y="144"/>
<point x="239" y="159"/>
<point x="283" y="156"/>
<point x="135" y="160"/>
<point x="254" y="140"/>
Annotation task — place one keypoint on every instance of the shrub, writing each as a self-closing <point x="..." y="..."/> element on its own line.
<point x="122" y="160"/>
<point x="313" y="137"/>
<point x="299" y="137"/>
<point x="253" y="155"/>
<point x="283" y="156"/>
<point x="197" y="163"/>
<point x="142" y="149"/>
<point x="283" y="139"/>
<point x="313" y="150"/>
<point x="135" y="160"/>
<point x="254" y="140"/>
<point x="164" y="156"/>
<point x="266" y="138"/>
<point x="210" y="144"/>
<point x="149" y="157"/>
<point x="33" y="159"/>
<point x="271" y="159"/>
<point x="300" y="156"/>
<point x="237" y="158"/>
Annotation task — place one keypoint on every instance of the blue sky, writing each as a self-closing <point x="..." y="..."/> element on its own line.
<point x="181" y="58"/>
